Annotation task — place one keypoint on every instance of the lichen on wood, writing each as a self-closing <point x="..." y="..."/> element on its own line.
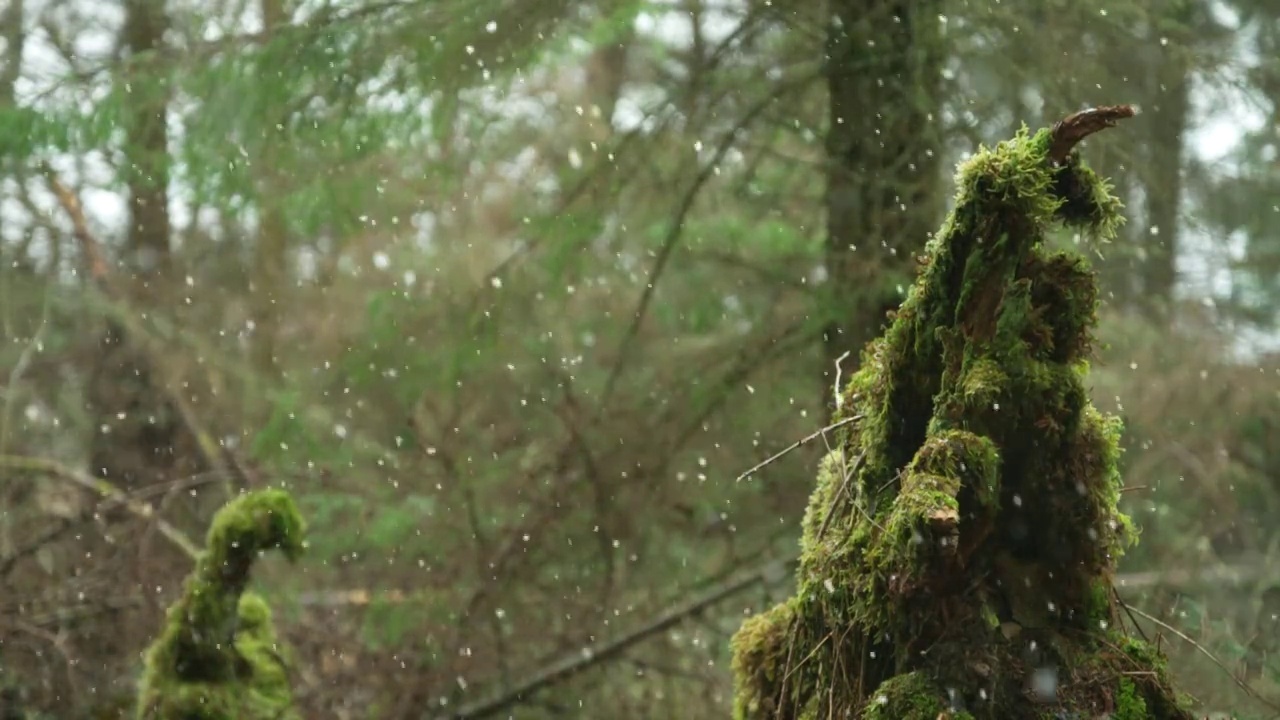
<point x="957" y="553"/>
<point x="218" y="656"/>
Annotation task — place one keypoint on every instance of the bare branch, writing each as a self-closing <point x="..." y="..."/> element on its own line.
<point x="606" y="651"/>
<point x="104" y="489"/>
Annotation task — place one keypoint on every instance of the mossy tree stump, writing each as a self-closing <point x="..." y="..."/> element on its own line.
<point x="218" y="657"/>
<point x="958" y="550"/>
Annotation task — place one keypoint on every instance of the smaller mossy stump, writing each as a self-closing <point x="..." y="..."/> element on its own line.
<point x="958" y="551"/>
<point x="218" y="657"/>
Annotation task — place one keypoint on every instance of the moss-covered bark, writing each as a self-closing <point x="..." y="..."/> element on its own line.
<point x="218" y="657"/>
<point x="958" y="549"/>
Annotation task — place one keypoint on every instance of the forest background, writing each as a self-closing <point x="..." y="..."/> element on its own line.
<point x="512" y="296"/>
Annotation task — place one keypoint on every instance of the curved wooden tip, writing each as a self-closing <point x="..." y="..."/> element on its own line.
<point x="1069" y="131"/>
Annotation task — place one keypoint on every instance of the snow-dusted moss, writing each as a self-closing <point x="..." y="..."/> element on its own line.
<point x="962" y="535"/>
<point x="218" y="657"/>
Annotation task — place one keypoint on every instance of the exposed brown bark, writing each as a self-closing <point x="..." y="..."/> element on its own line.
<point x="1118" y="269"/>
<point x="1073" y="129"/>
<point x="883" y="149"/>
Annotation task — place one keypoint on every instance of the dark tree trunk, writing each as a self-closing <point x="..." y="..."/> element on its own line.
<point x="884" y="63"/>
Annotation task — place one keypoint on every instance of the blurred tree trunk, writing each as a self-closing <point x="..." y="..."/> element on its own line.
<point x="147" y="152"/>
<point x="1166" y="116"/>
<point x="10" y="67"/>
<point x="272" y="243"/>
<point x="134" y="443"/>
<point x="1118" y="268"/>
<point x="696" y="60"/>
<point x="883" y="148"/>
<point x="606" y="73"/>
<point x="1113" y="159"/>
<point x="139" y="439"/>
<point x="14" y="36"/>
<point x="14" y="40"/>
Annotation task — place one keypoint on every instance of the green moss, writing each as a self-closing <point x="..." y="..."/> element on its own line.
<point x="990" y="617"/>
<point x="971" y="513"/>
<point x="1130" y="705"/>
<point x="910" y="696"/>
<point x="1143" y="655"/>
<point x="218" y="657"/>
<point x="759" y="662"/>
<point x="1098" y="608"/>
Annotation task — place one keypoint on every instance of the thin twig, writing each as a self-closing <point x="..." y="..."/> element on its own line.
<point x="797" y="445"/>
<point x="56" y="641"/>
<point x="1128" y="611"/>
<point x="1243" y="685"/>
<point x="847" y="474"/>
<point x="95" y="259"/>
<point x="836" y="386"/>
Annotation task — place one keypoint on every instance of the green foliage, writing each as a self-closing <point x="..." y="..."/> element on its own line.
<point x="27" y="132"/>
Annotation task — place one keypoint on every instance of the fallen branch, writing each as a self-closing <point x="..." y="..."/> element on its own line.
<point x="104" y="489"/>
<point x="602" y="652"/>
<point x="1214" y="575"/>
<point x="57" y="530"/>
<point x="1177" y="579"/>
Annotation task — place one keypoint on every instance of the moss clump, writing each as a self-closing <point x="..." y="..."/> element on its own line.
<point x="909" y="696"/>
<point x="758" y="649"/>
<point x="218" y="657"/>
<point x="1130" y="705"/>
<point x="958" y="549"/>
